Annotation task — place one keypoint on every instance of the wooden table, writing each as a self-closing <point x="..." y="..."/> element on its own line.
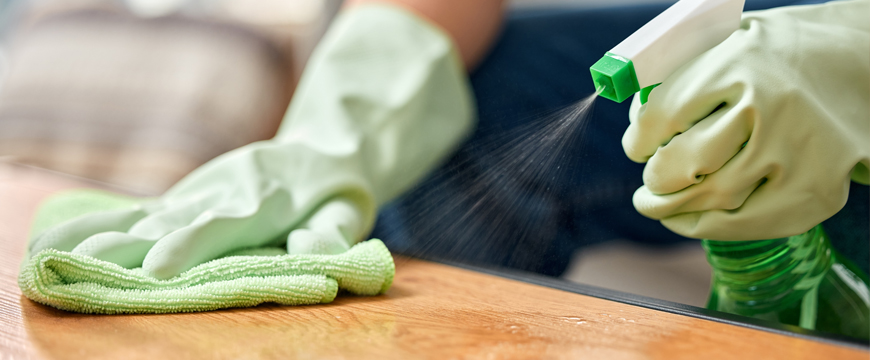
<point x="432" y="311"/>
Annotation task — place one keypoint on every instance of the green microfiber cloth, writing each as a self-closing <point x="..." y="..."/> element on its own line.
<point x="81" y="283"/>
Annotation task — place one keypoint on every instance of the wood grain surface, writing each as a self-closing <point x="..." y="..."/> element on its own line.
<point x="432" y="311"/>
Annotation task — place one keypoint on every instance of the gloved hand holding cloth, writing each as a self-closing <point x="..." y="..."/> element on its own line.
<point x="759" y="137"/>
<point x="383" y="99"/>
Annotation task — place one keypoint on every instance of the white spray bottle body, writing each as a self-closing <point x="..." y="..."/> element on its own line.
<point x="652" y="53"/>
<point x="679" y="34"/>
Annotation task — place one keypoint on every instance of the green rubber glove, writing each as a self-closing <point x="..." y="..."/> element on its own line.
<point x="383" y="99"/>
<point x="759" y="137"/>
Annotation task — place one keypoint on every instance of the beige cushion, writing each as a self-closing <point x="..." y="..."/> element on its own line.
<point x="137" y="102"/>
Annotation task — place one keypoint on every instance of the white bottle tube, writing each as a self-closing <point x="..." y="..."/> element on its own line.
<point x="653" y="52"/>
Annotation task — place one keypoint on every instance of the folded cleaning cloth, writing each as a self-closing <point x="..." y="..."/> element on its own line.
<point x="81" y="283"/>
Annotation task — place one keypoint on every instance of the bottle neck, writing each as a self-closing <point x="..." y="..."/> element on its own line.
<point x="767" y="275"/>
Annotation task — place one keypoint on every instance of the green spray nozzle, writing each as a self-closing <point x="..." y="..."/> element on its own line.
<point x="614" y="77"/>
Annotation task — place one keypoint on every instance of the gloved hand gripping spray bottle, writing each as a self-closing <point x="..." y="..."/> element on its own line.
<point x="799" y="280"/>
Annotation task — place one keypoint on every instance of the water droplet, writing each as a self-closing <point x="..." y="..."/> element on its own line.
<point x="574" y="319"/>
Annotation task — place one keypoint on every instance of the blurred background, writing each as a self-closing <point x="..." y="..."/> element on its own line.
<point x="135" y="94"/>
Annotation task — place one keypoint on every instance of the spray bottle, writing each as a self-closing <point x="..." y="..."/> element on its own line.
<point x="800" y="280"/>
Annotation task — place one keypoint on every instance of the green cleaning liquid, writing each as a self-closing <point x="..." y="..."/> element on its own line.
<point x="799" y="280"/>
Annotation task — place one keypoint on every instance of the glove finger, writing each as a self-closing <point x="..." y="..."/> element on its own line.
<point x="220" y="230"/>
<point x="700" y="151"/>
<point x="684" y="99"/>
<point x="70" y="204"/>
<point x="765" y="214"/>
<point x="726" y="189"/>
<point x="332" y="229"/>
<point x="117" y="247"/>
<point x="174" y="216"/>
<point x="68" y="235"/>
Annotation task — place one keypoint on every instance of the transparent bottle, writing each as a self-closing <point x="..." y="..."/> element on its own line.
<point x="800" y="280"/>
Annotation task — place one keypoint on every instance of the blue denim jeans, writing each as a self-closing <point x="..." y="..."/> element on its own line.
<point x="540" y="64"/>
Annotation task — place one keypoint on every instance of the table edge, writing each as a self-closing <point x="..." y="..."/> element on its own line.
<point x="655" y="304"/>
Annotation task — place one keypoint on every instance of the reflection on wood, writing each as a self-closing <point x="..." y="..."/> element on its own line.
<point x="432" y="311"/>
